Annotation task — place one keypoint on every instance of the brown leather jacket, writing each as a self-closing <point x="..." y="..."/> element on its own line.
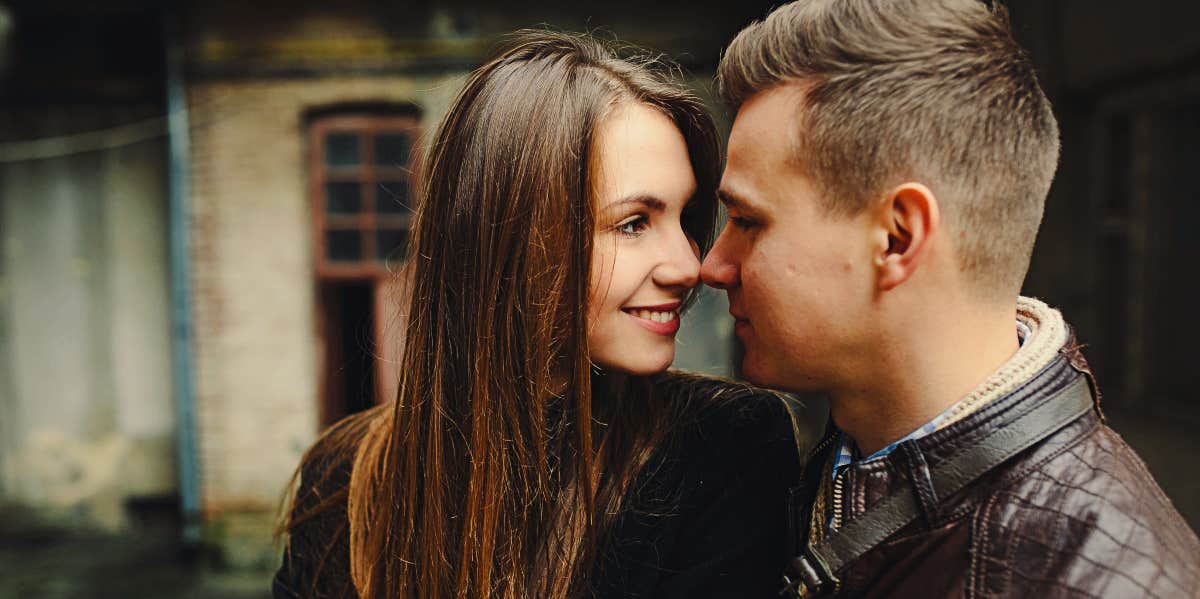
<point x="1075" y="515"/>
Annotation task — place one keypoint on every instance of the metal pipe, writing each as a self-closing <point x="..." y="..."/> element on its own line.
<point x="181" y="298"/>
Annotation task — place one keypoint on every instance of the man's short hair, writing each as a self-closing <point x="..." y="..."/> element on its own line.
<point x="934" y="91"/>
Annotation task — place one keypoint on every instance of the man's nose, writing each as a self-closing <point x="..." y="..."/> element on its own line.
<point x="718" y="270"/>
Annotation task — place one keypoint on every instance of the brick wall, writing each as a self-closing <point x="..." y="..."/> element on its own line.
<point x="256" y="345"/>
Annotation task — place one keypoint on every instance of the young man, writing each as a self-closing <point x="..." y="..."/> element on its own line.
<point x="887" y="170"/>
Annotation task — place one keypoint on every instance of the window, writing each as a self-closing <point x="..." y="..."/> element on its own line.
<point x="362" y="189"/>
<point x="361" y="182"/>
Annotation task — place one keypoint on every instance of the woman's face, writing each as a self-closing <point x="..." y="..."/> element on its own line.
<point x="642" y="262"/>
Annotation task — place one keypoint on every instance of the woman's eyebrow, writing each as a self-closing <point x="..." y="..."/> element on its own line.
<point x="649" y="201"/>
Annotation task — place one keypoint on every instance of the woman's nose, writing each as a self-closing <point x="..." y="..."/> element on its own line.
<point x="682" y="267"/>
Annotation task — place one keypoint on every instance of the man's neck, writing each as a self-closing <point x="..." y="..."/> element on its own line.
<point x="923" y="370"/>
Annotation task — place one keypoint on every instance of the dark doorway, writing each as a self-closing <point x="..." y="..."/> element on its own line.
<point x="347" y="319"/>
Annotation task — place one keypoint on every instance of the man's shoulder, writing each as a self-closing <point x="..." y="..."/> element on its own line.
<point x="1088" y="473"/>
<point x="1081" y="512"/>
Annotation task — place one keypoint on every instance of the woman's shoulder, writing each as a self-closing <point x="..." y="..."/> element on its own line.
<point x="730" y="417"/>
<point x="316" y="562"/>
<point x="346" y="433"/>
<point x="707" y="392"/>
<point x="326" y="466"/>
<point x="710" y="518"/>
<point x="713" y="400"/>
<point x="324" y="472"/>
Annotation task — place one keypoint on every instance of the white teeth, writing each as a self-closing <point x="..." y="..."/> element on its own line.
<point x="654" y="315"/>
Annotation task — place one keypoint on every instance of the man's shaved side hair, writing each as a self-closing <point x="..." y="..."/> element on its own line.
<point x="932" y="91"/>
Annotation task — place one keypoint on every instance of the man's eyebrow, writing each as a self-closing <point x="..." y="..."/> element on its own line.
<point x="732" y="200"/>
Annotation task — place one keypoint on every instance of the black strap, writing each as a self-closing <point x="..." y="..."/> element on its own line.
<point x="813" y="572"/>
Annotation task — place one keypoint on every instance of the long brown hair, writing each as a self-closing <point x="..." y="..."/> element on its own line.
<point x="488" y="476"/>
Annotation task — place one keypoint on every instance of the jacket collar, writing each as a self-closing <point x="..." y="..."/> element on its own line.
<point x="1047" y="361"/>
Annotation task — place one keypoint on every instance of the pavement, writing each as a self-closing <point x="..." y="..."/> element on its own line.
<point x="39" y="560"/>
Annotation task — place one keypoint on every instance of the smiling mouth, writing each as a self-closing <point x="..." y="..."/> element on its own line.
<point x="659" y="316"/>
<point x="662" y="319"/>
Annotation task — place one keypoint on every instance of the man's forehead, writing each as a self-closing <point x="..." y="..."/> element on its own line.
<point x="773" y="107"/>
<point x="760" y="147"/>
<point x="765" y="125"/>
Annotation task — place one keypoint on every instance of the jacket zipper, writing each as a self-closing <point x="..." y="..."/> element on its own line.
<point x="812" y="453"/>
<point x="839" y="482"/>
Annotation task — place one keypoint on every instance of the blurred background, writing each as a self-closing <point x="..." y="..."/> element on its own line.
<point x="202" y="206"/>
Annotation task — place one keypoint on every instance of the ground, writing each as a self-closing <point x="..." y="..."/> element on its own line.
<point x="43" y="561"/>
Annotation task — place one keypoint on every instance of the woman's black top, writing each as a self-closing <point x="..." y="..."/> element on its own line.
<point x="708" y="518"/>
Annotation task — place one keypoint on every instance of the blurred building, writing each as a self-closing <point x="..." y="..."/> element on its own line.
<point x="201" y="211"/>
<point x="186" y="307"/>
<point x="1115" y="252"/>
<point x="86" y="416"/>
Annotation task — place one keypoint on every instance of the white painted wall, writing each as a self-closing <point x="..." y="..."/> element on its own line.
<point x="85" y="401"/>
<point x="256" y="338"/>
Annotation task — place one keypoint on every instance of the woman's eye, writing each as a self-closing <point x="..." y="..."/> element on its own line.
<point x="633" y="225"/>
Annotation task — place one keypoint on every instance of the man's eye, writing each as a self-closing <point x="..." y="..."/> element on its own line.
<point x="742" y="222"/>
<point x="632" y="226"/>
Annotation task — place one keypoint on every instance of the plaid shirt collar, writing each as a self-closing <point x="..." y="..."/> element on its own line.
<point x="848" y="453"/>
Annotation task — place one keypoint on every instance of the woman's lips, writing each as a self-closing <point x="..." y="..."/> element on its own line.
<point x="662" y="319"/>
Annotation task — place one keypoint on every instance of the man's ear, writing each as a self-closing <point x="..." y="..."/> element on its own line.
<point x="909" y="217"/>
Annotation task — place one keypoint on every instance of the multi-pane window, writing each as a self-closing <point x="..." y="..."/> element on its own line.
<point x="362" y="187"/>
<point x="363" y="192"/>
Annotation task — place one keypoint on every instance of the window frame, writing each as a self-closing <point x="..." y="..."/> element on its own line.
<point x="368" y="175"/>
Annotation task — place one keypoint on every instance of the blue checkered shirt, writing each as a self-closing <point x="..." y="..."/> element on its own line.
<point x="847" y="450"/>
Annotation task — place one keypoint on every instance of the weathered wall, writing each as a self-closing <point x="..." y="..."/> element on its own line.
<point x="256" y="344"/>
<point x="87" y="415"/>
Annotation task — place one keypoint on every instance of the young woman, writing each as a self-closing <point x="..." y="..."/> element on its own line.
<point x="537" y="447"/>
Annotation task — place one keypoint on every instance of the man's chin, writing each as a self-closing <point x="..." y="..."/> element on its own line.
<point x="754" y="372"/>
<point x="762" y="375"/>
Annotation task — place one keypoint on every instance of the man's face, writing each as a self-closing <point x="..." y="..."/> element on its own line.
<point x="799" y="281"/>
